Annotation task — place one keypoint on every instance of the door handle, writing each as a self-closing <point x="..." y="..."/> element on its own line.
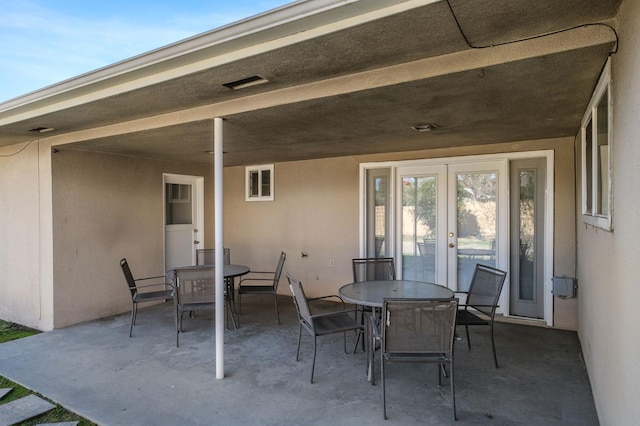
<point x="196" y="242"/>
<point x="451" y="245"/>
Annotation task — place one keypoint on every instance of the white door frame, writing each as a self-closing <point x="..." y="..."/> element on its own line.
<point x="548" y="214"/>
<point x="198" y="185"/>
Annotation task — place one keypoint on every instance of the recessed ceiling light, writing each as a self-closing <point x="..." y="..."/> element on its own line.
<point x="426" y="127"/>
<point x="41" y="129"/>
<point x="246" y="82"/>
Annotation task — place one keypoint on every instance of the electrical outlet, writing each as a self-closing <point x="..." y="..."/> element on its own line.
<point x="332" y="263"/>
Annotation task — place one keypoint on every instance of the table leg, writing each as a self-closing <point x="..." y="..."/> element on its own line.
<point x="371" y="347"/>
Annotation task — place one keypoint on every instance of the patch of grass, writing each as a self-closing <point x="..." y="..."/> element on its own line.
<point x="10" y="331"/>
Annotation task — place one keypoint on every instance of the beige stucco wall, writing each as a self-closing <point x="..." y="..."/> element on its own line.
<point x="106" y="207"/>
<point x="608" y="266"/>
<point x="25" y="242"/>
<point x="316" y="212"/>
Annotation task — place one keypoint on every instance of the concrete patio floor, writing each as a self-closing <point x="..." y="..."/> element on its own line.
<point x="97" y="371"/>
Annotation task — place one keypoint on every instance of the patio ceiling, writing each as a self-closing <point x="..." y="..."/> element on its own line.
<point x="347" y="80"/>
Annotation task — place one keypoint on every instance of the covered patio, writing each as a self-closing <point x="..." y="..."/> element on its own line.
<point x="319" y="90"/>
<point x="97" y="371"/>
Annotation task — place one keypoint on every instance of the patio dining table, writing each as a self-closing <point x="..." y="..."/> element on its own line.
<point x="373" y="293"/>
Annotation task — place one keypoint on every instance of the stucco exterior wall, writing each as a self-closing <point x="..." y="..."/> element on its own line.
<point x="25" y="244"/>
<point x="316" y="211"/>
<point x="106" y="207"/>
<point x="608" y="267"/>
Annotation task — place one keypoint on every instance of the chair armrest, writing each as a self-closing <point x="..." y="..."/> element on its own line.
<point x="164" y="277"/>
<point x="475" y="304"/>
<point x="254" y="279"/>
<point x="330" y="314"/>
<point x="153" y="285"/>
<point x="261" y="272"/>
<point x="327" y="297"/>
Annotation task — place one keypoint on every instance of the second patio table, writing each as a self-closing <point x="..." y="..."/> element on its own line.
<point x="372" y="294"/>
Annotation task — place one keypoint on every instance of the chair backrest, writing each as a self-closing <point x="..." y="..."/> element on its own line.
<point x="195" y="287"/>
<point x="418" y="326"/>
<point x="485" y="289"/>
<point x="374" y="269"/>
<point x="427" y="250"/>
<point x="128" y="276"/>
<point x="278" y="273"/>
<point x="300" y="300"/>
<point x="208" y="256"/>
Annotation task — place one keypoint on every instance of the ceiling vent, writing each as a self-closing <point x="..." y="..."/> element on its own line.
<point x="427" y="127"/>
<point x="41" y="129"/>
<point x="246" y="82"/>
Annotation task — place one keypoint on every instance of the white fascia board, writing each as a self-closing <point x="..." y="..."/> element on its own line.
<point x="280" y="27"/>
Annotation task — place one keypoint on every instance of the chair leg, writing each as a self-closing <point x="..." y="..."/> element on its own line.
<point x="275" y="299"/>
<point x="299" y="338"/>
<point x="453" y="390"/>
<point x="384" y="393"/>
<point x="175" y="312"/>
<point x="466" y="327"/>
<point x="371" y="354"/>
<point x="230" y="312"/>
<point x="493" y="345"/>
<point x="133" y="317"/>
<point x="313" y="363"/>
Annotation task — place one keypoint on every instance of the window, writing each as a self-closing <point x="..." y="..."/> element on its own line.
<point x="259" y="183"/>
<point x="596" y="159"/>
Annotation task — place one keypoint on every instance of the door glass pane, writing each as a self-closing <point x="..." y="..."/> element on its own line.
<point x="526" y="224"/>
<point x="380" y="224"/>
<point x="378" y="181"/>
<point x="476" y="223"/>
<point x="178" y="208"/>
<point x="419" y="228"/>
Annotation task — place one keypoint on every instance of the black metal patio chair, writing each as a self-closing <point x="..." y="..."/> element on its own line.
<point x="482" y="301"/>
<point x="321" y="324"/>
<point x="417" y="331"/>
<point x="248" y="284"/>
<point x="140" y="293"/>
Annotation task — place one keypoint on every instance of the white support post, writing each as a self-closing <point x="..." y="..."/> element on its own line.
<point x="219" y="245"/>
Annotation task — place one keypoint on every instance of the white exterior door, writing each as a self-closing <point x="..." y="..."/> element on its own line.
<point x="184" y="214"/>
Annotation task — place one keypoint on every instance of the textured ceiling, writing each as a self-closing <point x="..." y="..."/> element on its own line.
<point x="526" y="98"/>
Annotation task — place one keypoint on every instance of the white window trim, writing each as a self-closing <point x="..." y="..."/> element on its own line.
<point x="598" y="220"/>
<point x="247" y="180"/>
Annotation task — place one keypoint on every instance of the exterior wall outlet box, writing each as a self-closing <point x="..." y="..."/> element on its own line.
<point x="564" y="287"/>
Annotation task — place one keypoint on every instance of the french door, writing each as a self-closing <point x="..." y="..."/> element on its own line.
<point x="449" y="218"/>
<point x="439" y="218"/>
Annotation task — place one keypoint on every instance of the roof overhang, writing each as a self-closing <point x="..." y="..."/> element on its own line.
<point x="344" y="78"/>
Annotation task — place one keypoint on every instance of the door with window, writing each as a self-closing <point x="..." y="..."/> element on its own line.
<point x="183" y="213"/>
<point x="449" y="218"/>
